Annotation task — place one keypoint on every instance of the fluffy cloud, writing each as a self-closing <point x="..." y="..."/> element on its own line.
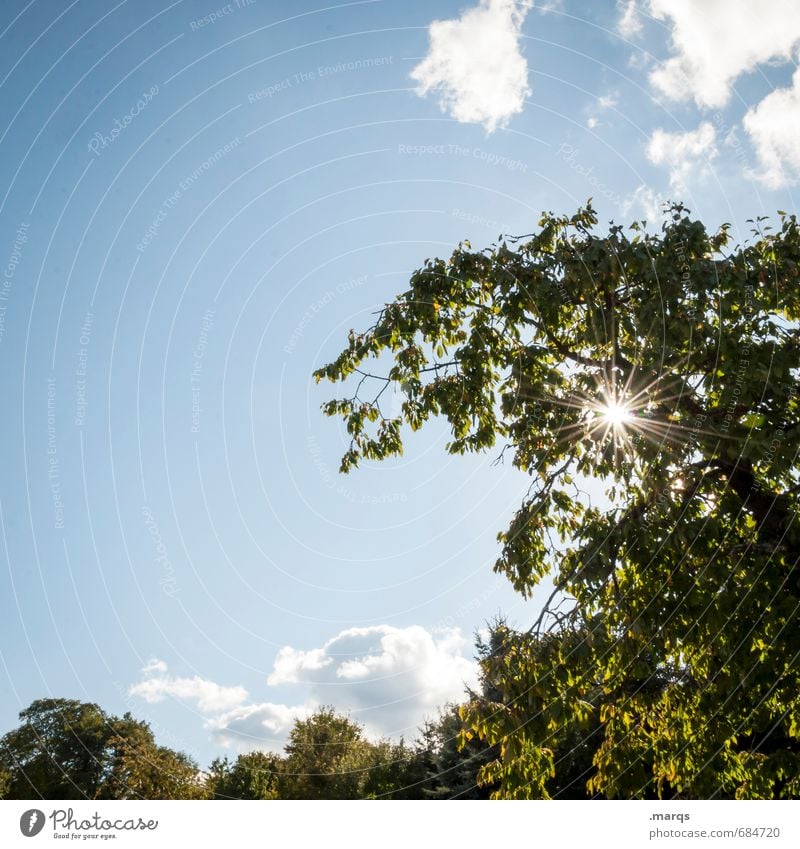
<point x="716" y="41"/>
<point x="685" y="154"/>
<point x="389" y="678"/>
<point x="207" y="696"/>
<point x="713" y="44"/>
<point x="475" y="64"/>
<point x="257" y="726"/>
<point x="774" y="128"/>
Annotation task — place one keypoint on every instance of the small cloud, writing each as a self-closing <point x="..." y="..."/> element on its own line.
<point x="629" y="24"/>
<point x="685" y="154"/>
<point x="154" y="666"/>
<point x="774" y="129"/>
<point x="207" y="695"/>
<point x="640" y="60"/>
<point x="645" y="201"/>
<point x="475" y="65"/>
<point x="601" y="103"/>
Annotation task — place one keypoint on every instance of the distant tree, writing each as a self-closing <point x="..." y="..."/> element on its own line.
<point x="664" y="367"/>
<point x="255" y="775"/>
<point x="393" y="771"/>
<point x="454" y="762"/>
<point x="65" y="749"/>
<point x="322" y="757"/>
<point x="328" y="757"/>
<point x="141" y="769"/>
<point x="455" y="756"/>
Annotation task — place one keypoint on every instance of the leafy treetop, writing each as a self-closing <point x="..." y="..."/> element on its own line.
<point x="665" y="364"/>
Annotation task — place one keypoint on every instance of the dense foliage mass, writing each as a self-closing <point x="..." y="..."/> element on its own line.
<point x="327" y="757"/>
<point x="67" y="749"/>
<point x="665" y="366"/>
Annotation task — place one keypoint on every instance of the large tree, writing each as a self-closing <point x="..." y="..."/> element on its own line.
<point x="662" y="366"/>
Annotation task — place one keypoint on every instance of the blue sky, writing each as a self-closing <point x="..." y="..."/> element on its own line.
<point x="199" y="200"/>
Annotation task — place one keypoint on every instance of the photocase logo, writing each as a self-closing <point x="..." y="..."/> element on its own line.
<point x="31" y="822"/>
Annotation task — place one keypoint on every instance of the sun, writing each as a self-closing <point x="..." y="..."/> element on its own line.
<point x="615" y="414"/>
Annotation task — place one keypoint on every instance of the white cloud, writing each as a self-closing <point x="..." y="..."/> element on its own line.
<point x="601" y="103"/>
<point x="629" y="23"/>
<point x="154" y="665"/>
<point x="687" y="155"/>
<point x="644" y="201"/>
<point x="716" y="41"/>
<point x="208" y="696"/>
<point x="290" y="664"/>
<point x="388" y="677"/>
<point x="774" y="129"/>
<point x="475" y="64"/>
<point x="258" y="726"/>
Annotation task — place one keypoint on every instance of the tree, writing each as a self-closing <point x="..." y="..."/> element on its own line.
<point x="662" y="367"/>
<point x="321" y="757"/>
<point x="141" y="769"/>
<point x="65" y="749"/>
<point x="455" y="757"/>
<point x="254" y="775"/>
<point x="328" y="757"/>
<point x="459" y="759"/>
<point x="453" y="768"/>
<point x="5" y="781"/>
<point x="393" y="771"/>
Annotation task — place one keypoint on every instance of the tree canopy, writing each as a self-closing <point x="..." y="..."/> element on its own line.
<point x="328" y="757"/>
<point x="663" y="365"/>
<point x="253" y="775"/>
<point x="65" y="749"/>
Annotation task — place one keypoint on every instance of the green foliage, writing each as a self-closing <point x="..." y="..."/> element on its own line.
<point x="323" y="757"/>
<point x="5" y="781"/>
<point x="141" y="769"/>
<point x="70" y="750"/>
<point x="66" y="749"/>
<point x="673" y="670"/>
<point x="327" y="757"/>
<point x="453" y="768"/>
<point x="254" y="775"/>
